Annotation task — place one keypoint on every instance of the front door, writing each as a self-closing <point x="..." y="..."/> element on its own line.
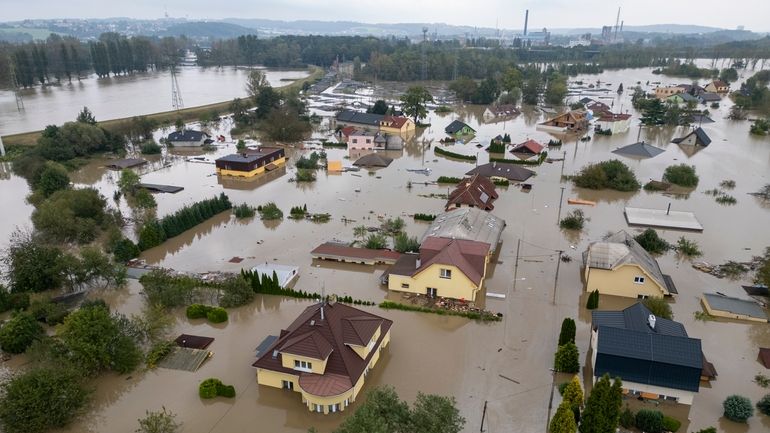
<point x="431" y="292"/>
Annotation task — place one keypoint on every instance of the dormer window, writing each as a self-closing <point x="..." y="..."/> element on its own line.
<point x="303" y="365"/>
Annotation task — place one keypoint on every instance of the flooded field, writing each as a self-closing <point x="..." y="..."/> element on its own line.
<point x="126" y="96"/>
<point x="429" y="353"/>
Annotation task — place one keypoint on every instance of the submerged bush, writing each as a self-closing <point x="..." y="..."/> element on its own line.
<point x="738" y="408"/>
<point x="687" y="247"/>
<point x="612" y="174"/>
<point x="574" y="220"/>
<point x="197" y="311"/>
<point x="682" y="175"/>
<point x="270" y="211"/>
<point x="650" y="241"/>
<point x="217" y="315"/>
<point x="213" y="387"/>
<point x="244" y="211"/>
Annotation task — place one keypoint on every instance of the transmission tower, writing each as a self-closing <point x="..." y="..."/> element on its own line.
<point x="176" y="93"/>
<point x="424" y="72"/>
<point x="15" y="85"/>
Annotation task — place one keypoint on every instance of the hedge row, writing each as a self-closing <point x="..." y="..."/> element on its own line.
<point x="213" y="314"/>
<point x="444" y="152"/>
<point x="484" y="316"/>
<point x="537" y="161"/>
<point x="155" y="232"/>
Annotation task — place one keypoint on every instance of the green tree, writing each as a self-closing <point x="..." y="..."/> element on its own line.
<point x="162" y="421"/>
<point x="86" y="116"/>
<point x="403" y="243"/>
<point x="382" y="412"/>
<point x="659" y="307"/>
<point x="556" y="89"/>
<point x="593" y="300"/>
<point x="512" y="79"/>
<point x="487" y="92"/>
<point x="563" y="420"/>
<point x="530" y="93"/>
<point x="31" y="266"/>
<point x="573" y="393"/>
<point x="602" y="411"/>
<point x="379" y="107"/>
<point x="738" y="408"/>
<point x="653" y="112"/>
<point x="376" y="241"/>
<point x="763" y="273"/>
<point x="728" y="75"/>
<point x="73" y="215"/>
<point x="128" y="182"/>
<point x="650" y="421"/>
<point x="652" y="242"/>
<point x="465" y="88"/>
<point x="414" y="101"/>
<point x="256" y="83"/>
<point x="360" y="231"/>
<point x="682" y="175"/>
<point x="764" y="404"/>
<point x="39" y="400"/>
<point x="435" y="414"/>
<point x="627" y="418"/>
<point x="144" y="200"/>
<point x="18" y="333"/>
<point x="567" y="358"/>
<point x="567" y="334"/>
<point x="53" y="177"/>
<point x="240" y="146"/>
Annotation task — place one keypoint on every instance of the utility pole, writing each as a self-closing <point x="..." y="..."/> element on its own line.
<point x="15" y="84"/>
<point x="424" y="72"/>
<point x="516" y="266"/>
<point x="483" y="415"/>
<point x="556" y="277"/>
<point x="176" y="93"/>
<point x="2" y="148"/>
<point x="561" y="199"/>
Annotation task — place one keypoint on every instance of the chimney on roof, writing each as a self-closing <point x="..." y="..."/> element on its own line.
<point x="651" y="321"/>
<point x="322" y="309"/>
<point x="417" y="263"/>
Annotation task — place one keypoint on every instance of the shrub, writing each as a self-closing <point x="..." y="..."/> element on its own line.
<point x="566" y="359"/>
<point x="593" y="300"/>
<point x="270" y="211"/>
<point x="150" y="148"/>
<point x="682" y="175"/>
<point x="308" y="163"/>
<point x="403" y="243"/>
<point x="573" y="221"/>
<point x="217" y="315"/>
<point x="501" y="182"/>
<point x="687" y="247"/>
<point x="612" y="174"/>
<point x="237" y="292"/>
<point x="627" y="419"/>
<point x="671" y="424"/>
<point x="208" y="388"/>
<point x="449" y="154"/>
<point x="197" y="311"/>
<point x="124" y="250"/>
<point x="244" y="211"/>
<point x="659" y="307"/>
<point x="226" y="391"/>
<point x="495" y="147"/>
<point x="13" y="301"/>
<point x="738" y="408"/>
<point x="567" y="334"/>
<point x="18" y="333"/>
<point x="649" y="421"/>
<point x="650" y="241"/>
<point x="725" y="199"/>
<point x="157" y="352"/>
<point x="161" y="421"/>
<point x="708" y="430"/>
<point x="448" y="179"/>
<point x="727" y="184"/>
<point x="764" y="404"/>
<point x="49" y="312"/>
<point x="483" y="315"/>
<point x="654" y="186"/>
<point x="376" y="241"/>
<point x="424" y="217"/>
<point x="562" y="387"/>
<point x="304" y="175"/>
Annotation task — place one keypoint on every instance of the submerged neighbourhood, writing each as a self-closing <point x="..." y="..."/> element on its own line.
<point x="528" y="232"/>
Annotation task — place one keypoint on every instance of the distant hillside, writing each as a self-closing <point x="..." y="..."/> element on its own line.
<point x="357" y="28"/>
<point x="206" y="29"/>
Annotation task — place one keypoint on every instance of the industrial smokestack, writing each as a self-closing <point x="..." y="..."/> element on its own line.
<point x="621" y="27"/>
<point x="526" y="21"/>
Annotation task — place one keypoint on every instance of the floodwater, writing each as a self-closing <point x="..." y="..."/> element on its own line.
<point x="505" y="364"/>
<point x="127" y="96"/>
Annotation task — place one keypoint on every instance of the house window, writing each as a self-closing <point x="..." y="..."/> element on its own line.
<point x="638" y="280"/>
<point x="404" y="285"/>
<point x="287" y="384"/>
<point x="355" y="140"/>
<point x="431" y="292"/>
<point x="368" y="141"/>
<point x="334" y="408"/>
<point x="303" y="365"/>
<point x="446" y="273"/>
<point x="318" y="408"/>
<point x="347" y="402"/>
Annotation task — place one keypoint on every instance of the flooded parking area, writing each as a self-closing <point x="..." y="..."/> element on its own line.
<point x="506" y="364"/>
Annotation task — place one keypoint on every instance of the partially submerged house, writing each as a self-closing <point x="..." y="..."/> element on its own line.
<point x="325" y="355"/>
<point x="251" y="162"/>
<point x="619" y="266"/>
<point x="373" y="160"/>
<point x="468" y="224"/>
<point x="445" y="267"/>
<point x="361" y="139"/>
<point x="121" y="164"/>
<point x="696" y="137"/>
<point x="187" y="138"/>
<point x="503" y="171"/>
<point x="571" y="121"/>
<point x="728" y="307"/>
<point x="476" y="191"/>
<point x="707" y="97"/>
<point x="458" y="128"/>
<point x="529" y="147"/>
<point x="717" y="86"/>
<point x="654" y="357"/>
<point x="616" y="123"/>
<point x="500" y="111"/>
<point x="667" y="91"/>
<point x="639" y="150"/>
<point x="359" y="120"/>
<point x="396" y="125"/>
<point x="682" y="98"/>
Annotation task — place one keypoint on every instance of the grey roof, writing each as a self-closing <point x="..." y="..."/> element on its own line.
<point x="700" y="137"/>
<point x="710" y="97"/>
<point x="373" y="160"/>
<point x="171" y="189"/>
<point x="621" y="249"/>
<point x="469" y="224"/>
<point x="508" y="171"/>
<point x="125" y="163"/>
<point x="636" y="318"/>
<point x="639" y="150"/>
<point x="456" y="126"/>
<point x="686" y="97"/>
<point x="701" y="118"/>
<point x="238" y="157"/>
<point x="735" y="305"/>
<point x="656" y="359"/>
<point x="350" y="116"/>
<point x="187" y="135"/>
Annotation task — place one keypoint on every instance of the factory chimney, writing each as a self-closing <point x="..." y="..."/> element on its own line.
<point x="526" y="21"/>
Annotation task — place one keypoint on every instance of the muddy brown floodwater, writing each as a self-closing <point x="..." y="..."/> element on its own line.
<point x="436" y="354"/>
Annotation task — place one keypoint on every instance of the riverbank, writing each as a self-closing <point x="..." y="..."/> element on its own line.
<point x="186" y="114"/>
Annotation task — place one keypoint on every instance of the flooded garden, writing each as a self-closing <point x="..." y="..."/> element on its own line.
<point x="506" y="365"/>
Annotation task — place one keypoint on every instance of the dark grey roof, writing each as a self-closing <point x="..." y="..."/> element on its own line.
<point x="686" y="97"/>
<point x="656" y="359"/>
<point x="636" y="317"/>
<point x="171" y="189"/>
<point x="729" y="304"/>
<point x="187" y="135"/>
<point x="266" y="343"/>
<point x="373" y="160"/>
<point x="120" y="164"/>
<point x="639" y="150"/>
<point x="757" y="290"/>
<point x="512" y="172"/>
<point x="710" y="97"/>
<point x="701" y="118"/>
<point x="585" y="100"/>
<point x="670" y="284"/>
<point x="456" y="126"/>
<point x="701" y="137"/>
<point x="238" y="157"/>
<point x="350" y="116"/>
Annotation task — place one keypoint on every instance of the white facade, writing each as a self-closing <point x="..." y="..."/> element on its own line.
<point x="618" y="126"/>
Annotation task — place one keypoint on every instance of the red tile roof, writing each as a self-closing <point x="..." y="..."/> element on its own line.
<point x="341" y="326"/>
<point x="341" y="250"/>
<point x="612" y="117"/>
<point x="468" y="256"/>
<point x="394" y="121"/>
<point x="477" y="191"/>
<point x="529" y="146"/>
<point x="346" y="131"/>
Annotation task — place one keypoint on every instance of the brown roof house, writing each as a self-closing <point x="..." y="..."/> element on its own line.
<point x="571" y="121"/>
<point x="503" y="171"/>
<point x="528" y="148"/>
<point x="476" y="191"/>
<point x="717" y="86"/>
<point x="325" y="355"/>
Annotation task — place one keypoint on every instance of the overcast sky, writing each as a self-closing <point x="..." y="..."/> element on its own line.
<point x="753" y="14"/>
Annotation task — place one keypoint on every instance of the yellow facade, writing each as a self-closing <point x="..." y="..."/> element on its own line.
<point x="406" y="127"/>
<point x="727" y="314"/>
<point x="620" y="282"/>
<point x="457" y="287"/>
<point x="318" y="365"/>
<point x="313" y="402"/>
<point x="259" y="170"/>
